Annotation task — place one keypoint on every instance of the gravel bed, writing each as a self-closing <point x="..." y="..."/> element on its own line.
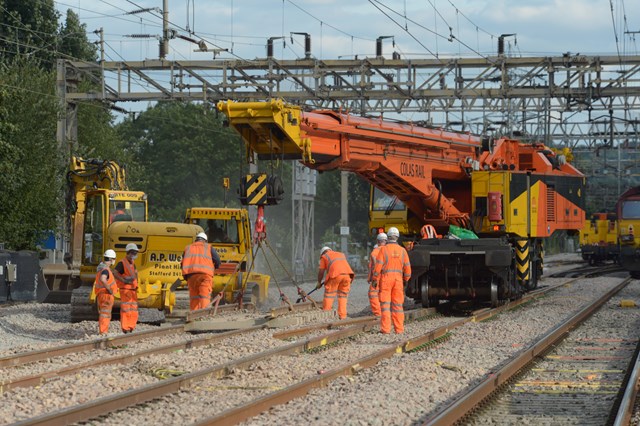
<point x="107" y="380"/>
<point x="36" y="326"/>
<point x="211" y="397"/>
<point x="413" y="385"/>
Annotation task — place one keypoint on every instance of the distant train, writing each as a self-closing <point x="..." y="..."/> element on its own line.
<point x="628" y="210"/>
<point x="599" y="238"/>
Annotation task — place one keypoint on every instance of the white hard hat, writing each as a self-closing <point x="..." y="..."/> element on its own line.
<point x="202" y="236"/>
<point x="131" y="247"/>
<point x="323" y="249"/>
<point x="382" y="236"/>
<point x="110" y="254"/>
<point x="393" y="232"/>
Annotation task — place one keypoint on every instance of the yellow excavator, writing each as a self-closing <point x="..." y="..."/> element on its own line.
<point x="104" y="214"/>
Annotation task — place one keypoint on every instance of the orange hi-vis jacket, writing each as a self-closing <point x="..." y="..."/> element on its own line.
<point x="335" y="263"/>
<point x="129" y="271"/>
<point x="197" y="259"/>
<point x="392" y="260"/>
<point x="110" y="288"/>
<point x="372" y="261"/>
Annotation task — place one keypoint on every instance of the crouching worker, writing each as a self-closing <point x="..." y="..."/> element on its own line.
<point x="337" y="282"/>
<point x="105" y="288"/>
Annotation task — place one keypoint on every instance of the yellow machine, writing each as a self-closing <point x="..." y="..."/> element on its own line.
<point x="229" y="231"/>
<point x="104" y="214"/>
<point x="599" y="238"/>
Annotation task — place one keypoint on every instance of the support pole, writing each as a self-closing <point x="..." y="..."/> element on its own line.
<point x="344" y="212"/>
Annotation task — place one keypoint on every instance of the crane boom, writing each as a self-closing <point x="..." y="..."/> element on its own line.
<point x="512" y="194"/>
<point x="413" y="163"/>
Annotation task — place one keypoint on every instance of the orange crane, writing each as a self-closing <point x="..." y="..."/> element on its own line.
<point x="511" y="194"/>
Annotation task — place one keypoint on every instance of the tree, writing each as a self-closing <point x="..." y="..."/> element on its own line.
<point x="181" y="153"/>
<point x="73" y="39"/>
<point x="29" y="27"/>
<point x="30" y="176"/>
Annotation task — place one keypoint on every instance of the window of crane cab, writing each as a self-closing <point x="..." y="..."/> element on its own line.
<point x="126" y="211"/>
<point x="631" y="209"/>
<point x="94" y="229"/>
<point x="383" y="202"/>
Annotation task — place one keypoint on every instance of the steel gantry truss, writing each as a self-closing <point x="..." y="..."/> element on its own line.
<point x="557" y="99"/>
<point x="585" y="103"/>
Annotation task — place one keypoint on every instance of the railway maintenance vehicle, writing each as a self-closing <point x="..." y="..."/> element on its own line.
<point x="599" y="238"/>
<point x="511" y="194"/>
<point x="628" y="210"/>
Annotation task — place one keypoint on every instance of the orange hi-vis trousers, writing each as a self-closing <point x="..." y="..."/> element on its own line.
<point x="200" y="286"/>
<point x="128" y="309"/>
<point x="105" y="305"/>
<point x="374" y="300"/>
<point x="391" y="300"/>
<point x="339" y="286"/>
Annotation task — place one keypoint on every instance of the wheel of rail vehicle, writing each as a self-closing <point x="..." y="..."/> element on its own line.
<point x="635" y="274"/>
<point x="81" y="308"/>
<point x="495" y="302"/>
<point x="427" y="302"/>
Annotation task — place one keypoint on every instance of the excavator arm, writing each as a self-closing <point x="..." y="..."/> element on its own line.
<point x="423" y="167"/>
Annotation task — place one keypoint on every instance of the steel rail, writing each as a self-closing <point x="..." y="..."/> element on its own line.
<point x="42" y="354"/>
<point x="411" y="314"/>
<point x="627" y="403"/>
<point x="122" y="400"/>
<point x="457" y="410"/>
<point x="252" y="408"/>
<point x="44" y="377"/>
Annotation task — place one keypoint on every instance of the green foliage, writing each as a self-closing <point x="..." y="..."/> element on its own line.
<point x="29" y="27"/>
<point x="180" y="154"/>
<point x="328" y="207"/>
<point x="29" y="167"/>
<point x="73" y="39"/>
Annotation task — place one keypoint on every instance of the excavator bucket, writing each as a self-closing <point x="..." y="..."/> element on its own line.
<point x="21" y="278"/>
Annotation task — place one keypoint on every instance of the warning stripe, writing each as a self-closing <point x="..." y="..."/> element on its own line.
<point x="256" y="189"/>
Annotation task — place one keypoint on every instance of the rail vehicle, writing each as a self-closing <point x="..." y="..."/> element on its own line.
<point x="512" y="195"/>
<point x="599" y="238"/>
<point x="628" y="211"/>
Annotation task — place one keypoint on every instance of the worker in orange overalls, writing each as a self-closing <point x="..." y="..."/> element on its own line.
<point x="338" y="280"/>
<point x="428" y="231"/>
<point x="127" y="278"/>
<point x="198" y="264"/>
<point x="374" y="299"/>
<point x="391" y="272"/>
<point x="105" y="288"/>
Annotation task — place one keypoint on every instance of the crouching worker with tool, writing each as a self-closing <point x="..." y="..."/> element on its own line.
<point x="391" y="272"/>
<point x="105" y="289"/>
<point x="337" y="282"/>
<point x="198" y="263"/>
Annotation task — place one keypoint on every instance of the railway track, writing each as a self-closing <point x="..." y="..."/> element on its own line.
<point x="348" y="343"/>
<point x="571" y="375"/>
<point x="351" y="349"/>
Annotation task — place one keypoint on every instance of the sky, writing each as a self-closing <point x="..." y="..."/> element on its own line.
<point x="342" y="29"/>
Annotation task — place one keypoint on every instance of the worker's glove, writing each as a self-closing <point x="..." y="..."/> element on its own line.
<point x="374" y="284"/>
<point x="319" y="285"/>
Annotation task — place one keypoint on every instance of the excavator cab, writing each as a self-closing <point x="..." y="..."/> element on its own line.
<point x="104" y="207"/>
